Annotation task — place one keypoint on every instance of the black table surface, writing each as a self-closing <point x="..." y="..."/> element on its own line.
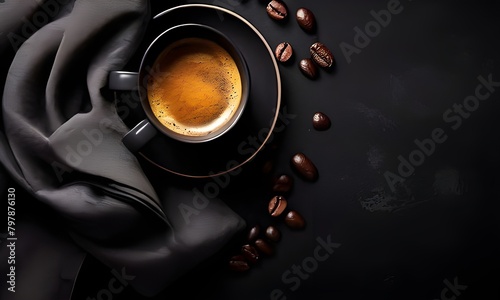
<point x="407" y="202"/>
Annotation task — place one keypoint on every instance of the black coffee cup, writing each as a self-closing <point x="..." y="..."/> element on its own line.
<point x="175" y="38"/>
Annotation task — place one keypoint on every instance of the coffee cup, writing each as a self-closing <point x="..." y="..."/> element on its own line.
<point x="193" y="84"/>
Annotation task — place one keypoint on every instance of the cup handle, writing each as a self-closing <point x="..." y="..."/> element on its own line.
<point x="143" y="132"/>
<point x="136" y="138"/>
<point x="123" y="80"/>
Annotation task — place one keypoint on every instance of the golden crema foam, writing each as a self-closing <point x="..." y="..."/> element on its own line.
<point x="197" y="88"/>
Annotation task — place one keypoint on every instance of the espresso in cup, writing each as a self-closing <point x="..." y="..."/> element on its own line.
<point x="193" y="84"/>
<point x="196" y="88"/>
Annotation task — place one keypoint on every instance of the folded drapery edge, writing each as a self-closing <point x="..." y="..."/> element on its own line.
<point x="13" y="169"/>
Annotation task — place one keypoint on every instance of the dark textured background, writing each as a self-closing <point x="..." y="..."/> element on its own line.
<point x="441" y="223"/>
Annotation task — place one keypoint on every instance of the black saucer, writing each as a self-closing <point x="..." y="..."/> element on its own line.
<point x="242" y="143"/>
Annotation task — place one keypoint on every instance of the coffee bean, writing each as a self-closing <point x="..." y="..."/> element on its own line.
<point x="308" y="68"/>
<point x="250" y="253"/>
<point x="283" y="184"/>
<point x="264" y="247"/>
<point x="277" y="205"/>
<point x="283" y="52"/>
<point x="273" y="234"/>
<point x="321" y="121"/>
<point x="277" y="10"/>
<point x="306" y="19"/>
<point x="253" y="234"/>
<point x="238" y="263"/>
<point x="321" y="55"/>
<point x="304" y="167"/>
<point x="294" y="220"/>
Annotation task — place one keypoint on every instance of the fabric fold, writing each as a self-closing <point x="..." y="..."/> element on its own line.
<point x="60" y="139"/>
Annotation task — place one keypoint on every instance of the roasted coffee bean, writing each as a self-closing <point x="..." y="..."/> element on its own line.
<point x="273" y="234"/>
<point x="321" y="121"/>
<point x="264" y="247"/>
<point x="283" y="184"/>
<point x="238" y="263"/>
<point x="283" y="52"/>
<point x="253" y="234"/>
<point x="294" y="220"/>
<point x="250" y="253"/>
<point x="321" y="55"/>
<point x="277" y="10"/>
<point x="308" y="68"/>
<point x="306" y="19"/>
<point x="304" y="167"/>
<point x="277" y="205"/>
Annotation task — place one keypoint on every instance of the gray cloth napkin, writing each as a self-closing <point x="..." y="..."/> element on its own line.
<point x="60" y="140"/>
